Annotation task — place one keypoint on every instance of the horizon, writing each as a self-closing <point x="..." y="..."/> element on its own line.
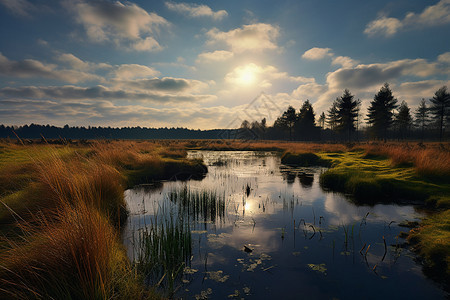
<point x="209" y="65"/>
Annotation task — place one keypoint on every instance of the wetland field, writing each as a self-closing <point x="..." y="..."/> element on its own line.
<point x="224" y="219"/>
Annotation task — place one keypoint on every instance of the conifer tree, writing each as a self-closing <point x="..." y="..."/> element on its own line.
<point x="381" y="112"/>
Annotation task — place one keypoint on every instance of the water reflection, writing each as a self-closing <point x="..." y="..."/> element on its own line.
<point x="294" y="229"/>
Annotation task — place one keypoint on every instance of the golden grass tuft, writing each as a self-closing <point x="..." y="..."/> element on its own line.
<point x="71" y="255"/>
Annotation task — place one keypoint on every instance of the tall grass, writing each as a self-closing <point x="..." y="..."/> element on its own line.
<point x="69" y="248"/>
<point x="75" y="254"/>
<point x="429" y="160"/>
<point x="164" y="249"/>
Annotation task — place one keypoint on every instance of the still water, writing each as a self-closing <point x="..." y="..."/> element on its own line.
<point x="280" y="235"/>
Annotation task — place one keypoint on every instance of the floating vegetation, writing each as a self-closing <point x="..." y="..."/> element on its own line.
<point x="321" y="268"/>
<point x="218" y="276"/>
<point x="253" y="263"/>
<point x="202" y="206"/>
<point x="204" y="294"/>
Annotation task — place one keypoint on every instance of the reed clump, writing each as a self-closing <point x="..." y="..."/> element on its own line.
<point x="163" y="250"/>
<point x="75" y="254"/>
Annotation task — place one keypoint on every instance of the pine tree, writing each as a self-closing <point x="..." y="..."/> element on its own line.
<point x="347" y="113"/>
<point x="287" y="120"/>
<point x="332" y="115"/>
<point x="403" y="120"/>
<point x="380" y="113"/>
<point x="422" y="118"/>
<point x="306" y="121"/>
<point x="440" y="108"/>
<point x="321" y="120"/>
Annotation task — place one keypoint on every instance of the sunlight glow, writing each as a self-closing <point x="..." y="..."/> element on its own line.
<point x="246" y="75"/>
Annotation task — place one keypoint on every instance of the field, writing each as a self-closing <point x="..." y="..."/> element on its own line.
<point x="62" y="206"/>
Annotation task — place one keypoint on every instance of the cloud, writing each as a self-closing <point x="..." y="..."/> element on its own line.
<point x="70" y="92"/>
<point x="383" y="26"/>
<point x="30" y="68"/>
<point x="132" y="71"/>
<point x="107" y="113"/>
<point x="166" y="84"/>
<point x="19" y="7"/>
<point x="433" y="15"/>
<point x="366" y="76"/>
<point x="344" y="61"/>
<point x="125" y="24"/>
<point x="254" y="37"/>
<point x="196" y="10"/>
<point x="78" y="64"/>
<point x="309" y="91"/>
<point x="219" y="55"/>
<point x="261" y="76"/>
<point x="444" y="58"/>
<point x="317" y="53"/>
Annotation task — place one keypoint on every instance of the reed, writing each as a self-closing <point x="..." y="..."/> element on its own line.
<point x="203" y="205"/>
<point x="163" y="248"/>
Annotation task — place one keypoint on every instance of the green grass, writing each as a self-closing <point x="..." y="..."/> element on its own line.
<point x="371" y="179"/>
<point x="374" y="180"/>
<point x="432" y="241"/>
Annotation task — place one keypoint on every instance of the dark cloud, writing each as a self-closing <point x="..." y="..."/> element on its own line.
<point x="30" y="68"/>
<point x="365" y="76"/>
<point x="166" y="84"/>
<point x="63" y="93"/>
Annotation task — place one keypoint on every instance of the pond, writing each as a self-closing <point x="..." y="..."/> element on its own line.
<point x="263" y="230"/>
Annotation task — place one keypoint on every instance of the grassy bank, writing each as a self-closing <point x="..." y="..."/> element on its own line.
<point x="61" y="211"/>
<point x="395" y="173"/>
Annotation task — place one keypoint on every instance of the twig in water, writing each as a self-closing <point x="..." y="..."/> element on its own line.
<point x="360" y="251"/>
<point x="385" y="248"/>
<point x="314" y="231"/>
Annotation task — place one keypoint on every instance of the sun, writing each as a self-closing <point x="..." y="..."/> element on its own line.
<point x="246" y="75"/>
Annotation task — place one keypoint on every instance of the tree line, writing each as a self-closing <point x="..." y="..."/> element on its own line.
<point x="343" y="121"/>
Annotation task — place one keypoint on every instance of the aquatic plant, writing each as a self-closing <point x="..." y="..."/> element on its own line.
<point x="163" y="248"/>
<point x="204" y="205"/>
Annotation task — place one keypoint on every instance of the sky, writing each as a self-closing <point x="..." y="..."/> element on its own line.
<point x="212" y="64"/>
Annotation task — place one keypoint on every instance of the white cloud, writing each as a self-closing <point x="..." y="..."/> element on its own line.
<point x="317" y="53"/>
<point x="219" y="55"/>
<point x="254" y="37"/>
<point x="132" y="71"/>
<point x="125" y="24"/>
<point x="309" y="91"/>
<point x="344" y="61"/>
<point x="433" y="15"/>
<point x="444" y="58"/>
<point x="147" y="44"/>
<point x="383" y="26"/>
<point x="196" y="10"/>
